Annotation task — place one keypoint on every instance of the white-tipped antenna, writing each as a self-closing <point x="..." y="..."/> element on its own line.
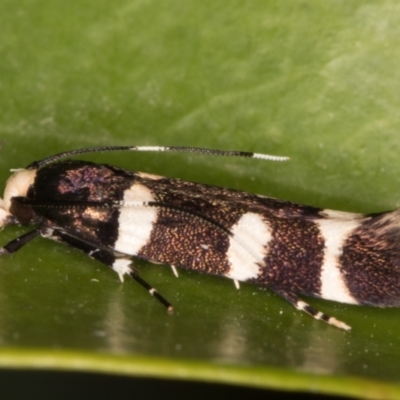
<point x="176" y="149"/>
<point x="270" y="157"/>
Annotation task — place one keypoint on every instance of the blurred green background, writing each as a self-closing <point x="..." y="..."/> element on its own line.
<point x="315" y="80"/>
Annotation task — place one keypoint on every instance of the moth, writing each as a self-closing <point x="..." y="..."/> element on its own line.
<point x="114" y="215"/>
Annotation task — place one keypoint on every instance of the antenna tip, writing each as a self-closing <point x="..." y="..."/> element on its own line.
<point x="270" y="157"/>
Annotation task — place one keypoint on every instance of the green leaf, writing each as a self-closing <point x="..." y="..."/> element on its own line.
<point x="316" y="80"/>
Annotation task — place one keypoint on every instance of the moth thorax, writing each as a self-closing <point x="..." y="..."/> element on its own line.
<point x="17" y="186"/>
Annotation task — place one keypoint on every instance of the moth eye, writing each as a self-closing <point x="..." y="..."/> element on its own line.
<point x="23" y="213"/>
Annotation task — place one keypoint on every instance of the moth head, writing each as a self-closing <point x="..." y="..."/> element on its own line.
<point x="17" y="186"/>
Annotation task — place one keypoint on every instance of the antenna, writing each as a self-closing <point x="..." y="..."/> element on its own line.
<point x="172" y="149"/>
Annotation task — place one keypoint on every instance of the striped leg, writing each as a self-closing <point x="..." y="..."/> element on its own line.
<point x="303" y="306"/>
<point x="120" y="265"/>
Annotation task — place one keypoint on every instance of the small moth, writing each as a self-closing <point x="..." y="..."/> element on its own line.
<point x="113" y="215"/>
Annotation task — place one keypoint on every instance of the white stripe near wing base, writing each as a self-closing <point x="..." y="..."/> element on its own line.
<point x="135" y="222"/>
<point x="248" y="246"/>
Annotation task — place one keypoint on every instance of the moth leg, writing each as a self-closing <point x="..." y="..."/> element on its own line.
<point x="16" y="244"/>
<point x="134" y="274"/>
<point x="175" y="271"/>
<point x="303" y="306"/>
<point x="120" y="265"/>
